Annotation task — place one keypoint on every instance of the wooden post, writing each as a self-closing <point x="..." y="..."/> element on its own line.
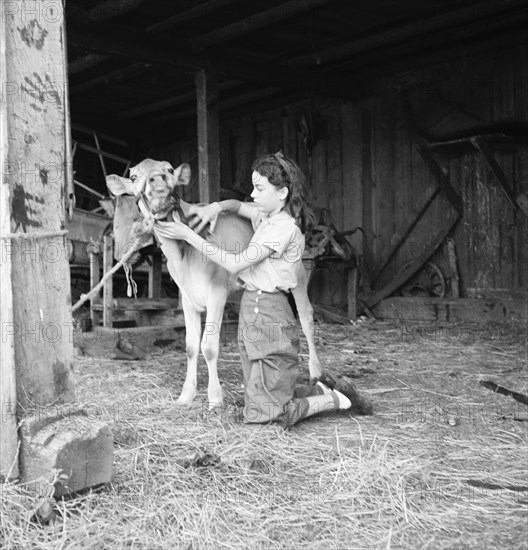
<point x="155" y="277"/>
<point x="8" y="433"/>
<point x="208" y="135"/>
<point x="353" y="172"/>
<point x="34" y="180"/>
<point x="95" y="277"/>
<point x="351" y="292"/>
<point x="35" y="307"/>
<point x="108" y="289"/>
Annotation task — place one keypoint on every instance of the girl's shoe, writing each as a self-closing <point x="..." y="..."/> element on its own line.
<point x="360" y="403"/>
<point x="328" y="380"/>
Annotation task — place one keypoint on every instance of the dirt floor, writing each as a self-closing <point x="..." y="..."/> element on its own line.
<point x="442" y="463"/>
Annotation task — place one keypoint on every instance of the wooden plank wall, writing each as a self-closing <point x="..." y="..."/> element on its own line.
<point x="491" y="241"/>
<point x="366" y="170"/>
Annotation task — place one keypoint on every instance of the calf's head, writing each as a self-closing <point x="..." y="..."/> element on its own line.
<point x="153" y="183"/>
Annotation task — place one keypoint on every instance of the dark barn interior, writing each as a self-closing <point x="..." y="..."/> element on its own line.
<point x="409" y="118"/>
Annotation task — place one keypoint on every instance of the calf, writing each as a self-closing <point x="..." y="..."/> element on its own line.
<point x="204" y="285"/>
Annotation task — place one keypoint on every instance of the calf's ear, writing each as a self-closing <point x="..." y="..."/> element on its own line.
<point x="183" y="174"/>
<point x="119" y="185"/>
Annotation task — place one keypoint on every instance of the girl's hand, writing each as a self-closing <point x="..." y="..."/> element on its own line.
<point x="200" y="216"/>
<point x="172" y="230"/>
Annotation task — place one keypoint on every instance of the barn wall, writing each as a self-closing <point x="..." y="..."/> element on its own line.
<point x="365" y="168"/>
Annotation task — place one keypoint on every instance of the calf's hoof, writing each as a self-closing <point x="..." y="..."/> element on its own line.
<point x="186" y="398"/>
<point x="216" y="400"/>
<point x="215" y="406"/>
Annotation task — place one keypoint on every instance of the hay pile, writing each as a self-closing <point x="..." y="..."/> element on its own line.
<point x="442" y="464"/>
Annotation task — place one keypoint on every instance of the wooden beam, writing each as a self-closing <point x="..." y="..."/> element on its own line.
<point x="40" y="288"/>
<point x="264" y="103"/>
<point x="208" y="135"/>
<point x="85" y="62"/>
<point x="307" y="81"/>
<point x="352" y="274"/>
<point x="428" y="240"/>
<point x="103" y="11"/>
<point x="123" y="72"/>
<point x="102" y="153"/>
<point x="240" y="68"/>
<point x="372" y="72"/>
<point x="106" y="137"/>
<point x="223" y="105"/>
<point x="183" y="97"/>
<point x="454" y="198"/>
<point x="161" y="131"/>
<point x="95" y="277"/>
<point x="463" y="41"/>
<point x="136" y="49"/>
<point x="189" y="15"/>
<point x="108" y="289"/>
<point x="37" y="284"/>
<point x="259" y="20"/>
<point x="414" y="30"/>
<point x="486" y="314"/>
<point x="248" y="97"/>
<point x="146" y="109"/>
<point x="113" y="8"/>
<point x="8" y="433"/>
<point x="481" y="144"/>
<point x="155" y="276"/>
<point x="428" y="196"/>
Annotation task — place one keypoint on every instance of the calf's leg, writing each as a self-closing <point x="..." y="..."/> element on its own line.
<point x="192" y="346"/>
<point x="211" y="345"/>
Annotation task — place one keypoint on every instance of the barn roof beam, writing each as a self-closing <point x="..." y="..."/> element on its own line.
<point x="103" y="11"/>
<point x="111" y="76"/>
<point x="369" y="71"/>
<point x="245" y="68"/>
<point x="446" y="21"/>
<point x="135" y="49"/>
<point x="143" y="110"/>
<point x="475" y="37"/>
<point x="223" y="104"/>
<point x="90" y="131"/>
<point x="257" y="21"/>
<point x="242" y="68"/>
<point x="169" y="102"/>
<point x="85" y="62"/>
<point x="189" y="15"/>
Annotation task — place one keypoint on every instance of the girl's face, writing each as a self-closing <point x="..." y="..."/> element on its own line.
<point x="267" y="197"/>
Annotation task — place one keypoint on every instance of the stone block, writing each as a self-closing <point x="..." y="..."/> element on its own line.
<point x="70" y="441"/>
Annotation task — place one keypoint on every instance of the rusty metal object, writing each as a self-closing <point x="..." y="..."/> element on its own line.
<point x="429" y="281"/>
<point x="325" y="240"/>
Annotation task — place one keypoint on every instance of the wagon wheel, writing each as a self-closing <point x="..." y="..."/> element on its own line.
<point x="429" y="281"/>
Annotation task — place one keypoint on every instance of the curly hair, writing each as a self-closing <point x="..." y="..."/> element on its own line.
<point x="282" y="172"/>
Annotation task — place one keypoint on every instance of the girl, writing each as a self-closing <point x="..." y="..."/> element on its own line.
<point x="268" y="339"/>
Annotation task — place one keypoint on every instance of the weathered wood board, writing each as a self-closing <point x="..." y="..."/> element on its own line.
<point x="36" y="174"/>
<point x="446" y="310"/>
<point x="426" y="237"/>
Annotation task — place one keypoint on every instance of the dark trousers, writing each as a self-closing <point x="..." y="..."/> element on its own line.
<point x="268" y="339"/>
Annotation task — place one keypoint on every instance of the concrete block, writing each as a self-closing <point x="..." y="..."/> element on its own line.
<point x="69" y="440"/>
